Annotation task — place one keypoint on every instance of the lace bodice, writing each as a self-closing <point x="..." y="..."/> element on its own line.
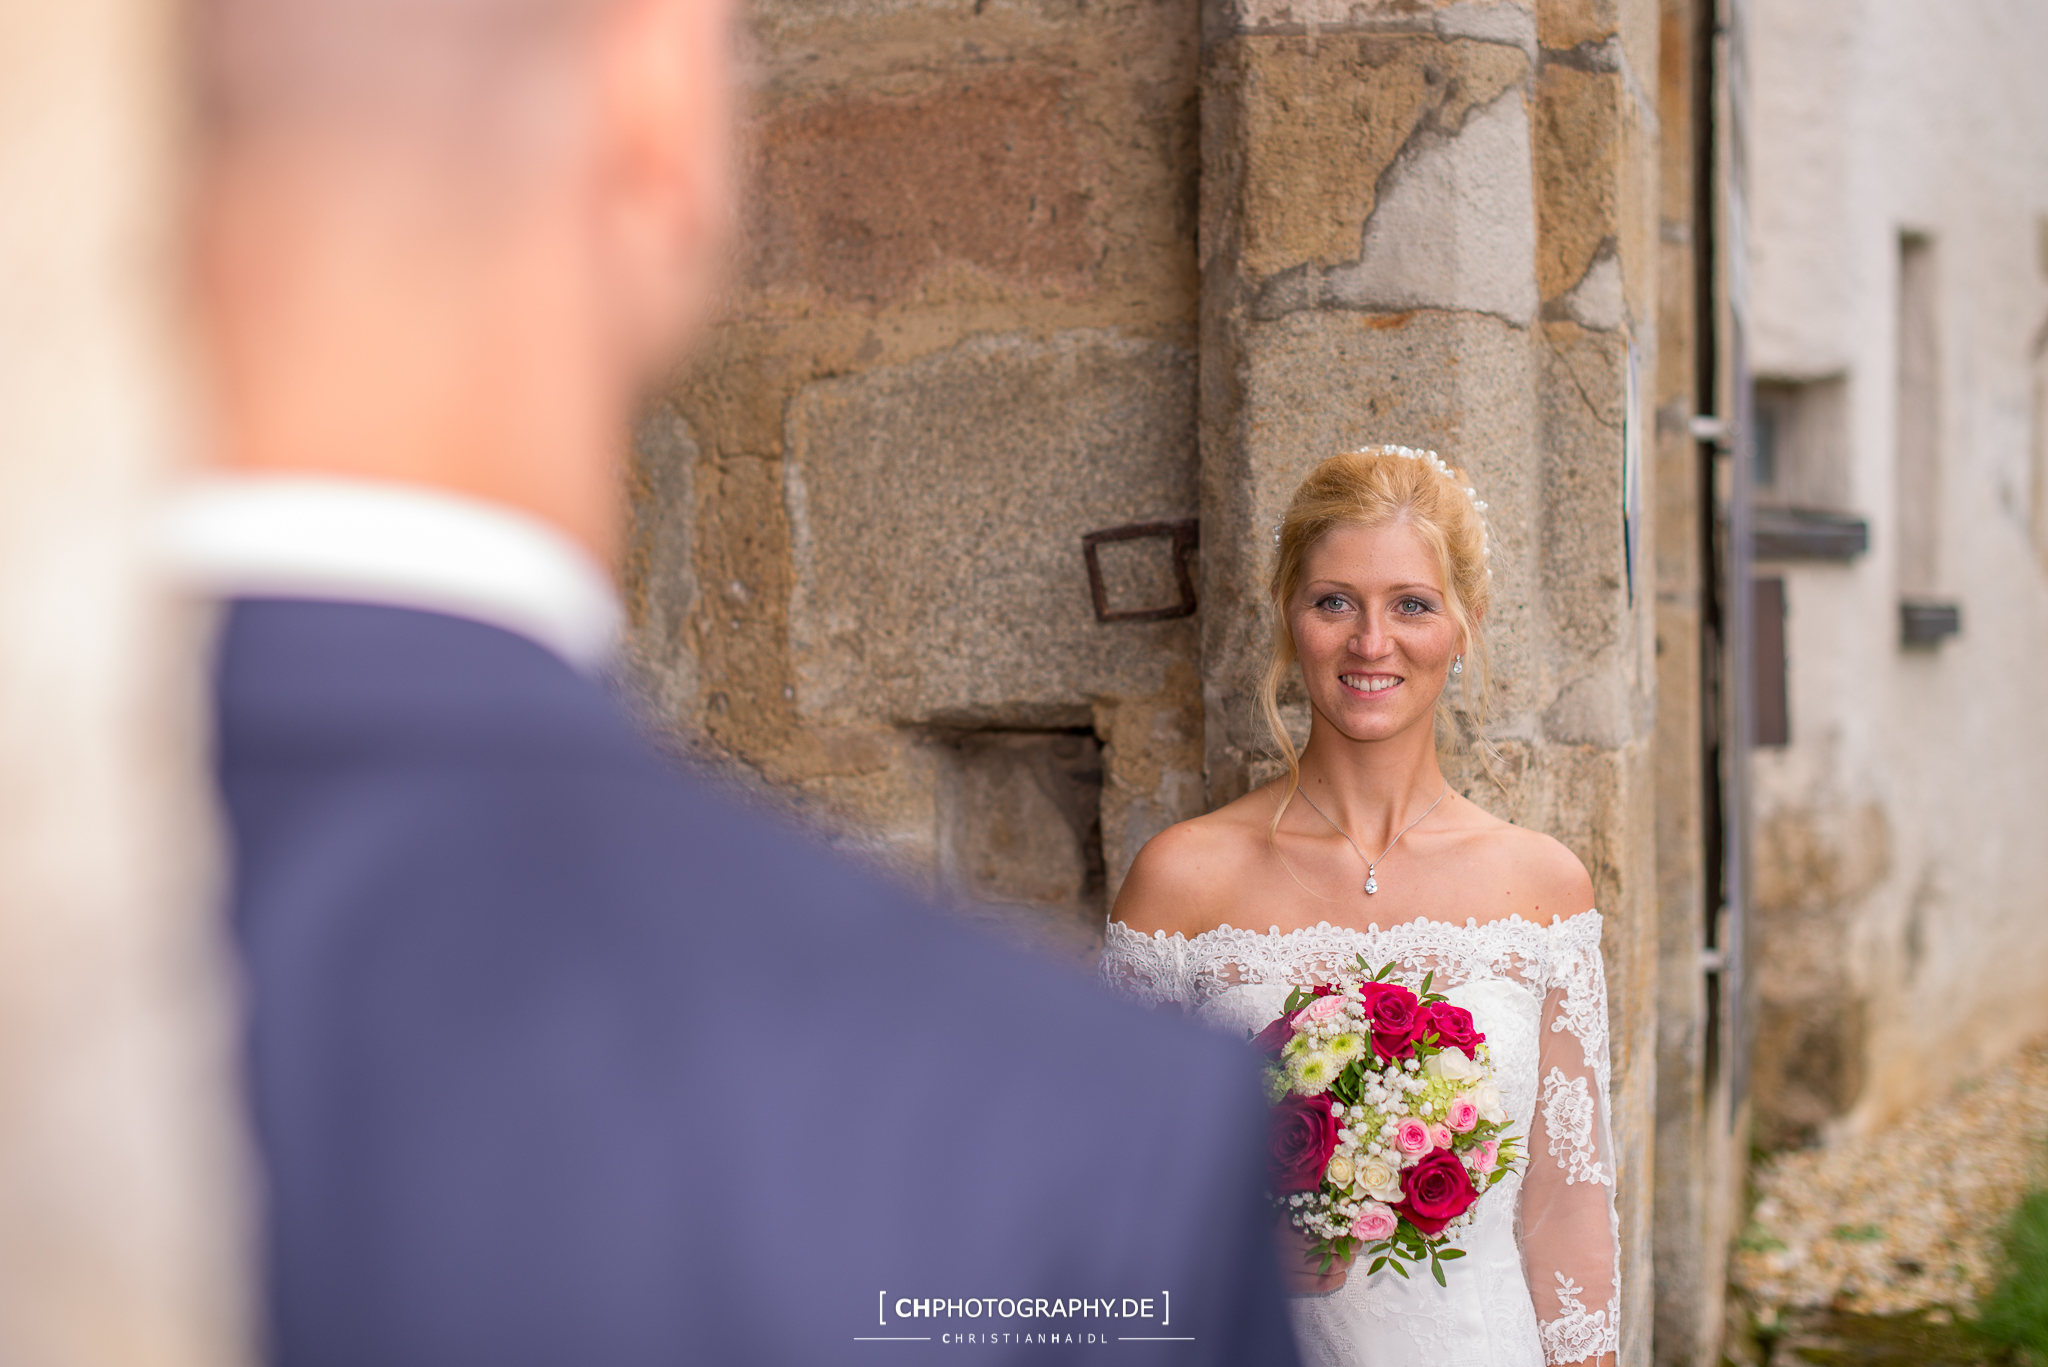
<point x="1540" y="994"/>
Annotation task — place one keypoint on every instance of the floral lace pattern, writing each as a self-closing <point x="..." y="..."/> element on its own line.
<point x="1539" y="992"/>
<point x="1568" y="1115"/>
<point x="1578" y="1334"/>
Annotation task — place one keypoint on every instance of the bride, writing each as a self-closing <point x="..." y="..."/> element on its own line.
<point x="1379" y="591"/>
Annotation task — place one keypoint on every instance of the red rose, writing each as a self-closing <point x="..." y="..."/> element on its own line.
<point x="1304" y="1135"/>
<point x="1274" y="1037"/>
<point x="1453" y="1026"/>
<point x="1436" y="1191"/>
<point x="1395" y="1018"/>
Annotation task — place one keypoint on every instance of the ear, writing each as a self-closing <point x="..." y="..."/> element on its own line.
<point x="664" y="131"/>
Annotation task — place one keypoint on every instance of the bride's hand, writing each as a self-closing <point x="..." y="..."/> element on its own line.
<point x="1301" y="1265"/>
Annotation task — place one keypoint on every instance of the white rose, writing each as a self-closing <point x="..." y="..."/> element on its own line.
<point x="1339" y="1173"/>
<point x="1452" y="1066"/>
<point x="1381" y="1180"/>
<point x="1487" y="1097"/>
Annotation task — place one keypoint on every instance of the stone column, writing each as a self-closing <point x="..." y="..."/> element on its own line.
<point x="120" y="1213"/>
<point x="1434" y="225"/>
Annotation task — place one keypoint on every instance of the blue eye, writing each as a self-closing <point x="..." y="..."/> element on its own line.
<point x="1334" y="602"/>
<point x="1413" y="607"/>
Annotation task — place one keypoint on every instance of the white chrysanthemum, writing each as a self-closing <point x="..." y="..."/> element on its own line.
<point x="1313" y="1072"/>
<point x="1347" y="1045"/>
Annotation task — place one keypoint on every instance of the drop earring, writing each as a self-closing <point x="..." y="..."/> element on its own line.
<point x="1457" y="666"/>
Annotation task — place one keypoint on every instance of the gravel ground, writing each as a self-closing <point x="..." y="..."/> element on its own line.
<point x="1905" y="1218"/>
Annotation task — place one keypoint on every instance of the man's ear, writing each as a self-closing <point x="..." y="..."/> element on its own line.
<point x="664" y="165"/>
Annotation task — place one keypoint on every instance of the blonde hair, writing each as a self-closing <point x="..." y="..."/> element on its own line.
<point x="1377" y="487"/>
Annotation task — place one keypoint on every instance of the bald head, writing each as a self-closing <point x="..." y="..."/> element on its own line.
<point x="445" y="241"/>
<point x="266" y="67"/>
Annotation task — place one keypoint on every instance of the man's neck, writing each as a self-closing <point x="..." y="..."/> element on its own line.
<point x="357" y="338"/>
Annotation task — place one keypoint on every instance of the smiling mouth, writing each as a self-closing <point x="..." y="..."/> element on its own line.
<point x="1369" y="683"/>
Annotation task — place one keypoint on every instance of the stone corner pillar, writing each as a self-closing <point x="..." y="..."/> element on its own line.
<point x="1435" y="226"/>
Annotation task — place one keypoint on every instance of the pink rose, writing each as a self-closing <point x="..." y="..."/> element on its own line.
<point x="1440" y="1136"/>
<point x="1322" y="1008"/>
<point x="1411" y="1136"/>
<point x="1462" y="1114"/>
<point x="1486" y="1155"/>
<point x="1376" y="1221"/>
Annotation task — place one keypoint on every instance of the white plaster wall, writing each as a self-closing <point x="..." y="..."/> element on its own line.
<point x="1869" y="117"/>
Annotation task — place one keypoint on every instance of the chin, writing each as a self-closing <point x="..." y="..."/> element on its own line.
<point x="1371" y="727"/>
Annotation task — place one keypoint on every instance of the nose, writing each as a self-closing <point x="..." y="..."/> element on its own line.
<point x="1371" y="640"/>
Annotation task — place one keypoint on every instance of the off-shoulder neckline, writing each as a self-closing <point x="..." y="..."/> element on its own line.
<point x="1557" y="922"/>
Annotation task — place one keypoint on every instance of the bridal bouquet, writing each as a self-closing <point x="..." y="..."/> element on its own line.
<point x="1388" y="1124"/>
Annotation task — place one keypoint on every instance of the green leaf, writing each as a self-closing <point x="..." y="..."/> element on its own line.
<point x="1427" y="979"/>
<point x="1437" y="1269"/>
<point x="1451" y="1253"/>
<point x="1377" y="1264"/>
<point x="1396" y="1265"/>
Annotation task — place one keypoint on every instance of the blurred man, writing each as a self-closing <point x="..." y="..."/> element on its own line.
<point x="554" y="1057"/>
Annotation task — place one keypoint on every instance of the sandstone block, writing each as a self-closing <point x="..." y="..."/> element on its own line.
<point x="937" y="511"/>
<point x="1579" y="192"/>
<point x="868" y="197"/>
<point x="660" y="569"/>
<point x="1322" y="120"/>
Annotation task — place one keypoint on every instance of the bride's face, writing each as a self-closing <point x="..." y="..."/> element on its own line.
<point x="1373" y="630"/>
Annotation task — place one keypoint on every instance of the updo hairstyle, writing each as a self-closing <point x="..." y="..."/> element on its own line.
<point x="1376" y="487"/>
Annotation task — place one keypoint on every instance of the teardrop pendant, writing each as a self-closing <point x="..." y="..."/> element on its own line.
<point x="1372" y="884"/>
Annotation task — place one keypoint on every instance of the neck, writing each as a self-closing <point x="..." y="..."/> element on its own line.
<point x="1371" y="788"/>
<point x="359" y="328"/>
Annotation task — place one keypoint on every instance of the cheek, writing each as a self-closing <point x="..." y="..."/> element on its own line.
<point x="1315" y="639"/>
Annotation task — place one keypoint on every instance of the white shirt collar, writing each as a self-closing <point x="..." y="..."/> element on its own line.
<point x="362" y="541"/>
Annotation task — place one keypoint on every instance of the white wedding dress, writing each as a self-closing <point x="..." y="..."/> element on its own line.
<point x="1539" y="1282"/>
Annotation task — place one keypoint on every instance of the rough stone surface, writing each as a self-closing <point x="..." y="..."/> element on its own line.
<point x="660" y="572"/>
<point x="1326" y="118"/>
<point x="865" y="197"/>
<point x="938" y="510"/>
<point x="1454" y="225"/>
<point x="924" y="175"/>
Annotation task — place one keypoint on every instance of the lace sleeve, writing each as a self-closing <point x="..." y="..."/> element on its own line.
<point x="1570" y="1235"/>
<point x="1148" y="969"/>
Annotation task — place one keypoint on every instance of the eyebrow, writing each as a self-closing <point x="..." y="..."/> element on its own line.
<point x="1391" y="588"/>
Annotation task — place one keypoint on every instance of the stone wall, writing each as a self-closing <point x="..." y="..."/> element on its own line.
<point x="1900" y="865"/>
<point x="962" y="337"/>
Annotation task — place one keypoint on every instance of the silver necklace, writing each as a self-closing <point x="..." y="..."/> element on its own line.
<point x="1372" y="884"/>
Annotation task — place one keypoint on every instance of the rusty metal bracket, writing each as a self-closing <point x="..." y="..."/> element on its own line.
<point x="1186" y="536"/>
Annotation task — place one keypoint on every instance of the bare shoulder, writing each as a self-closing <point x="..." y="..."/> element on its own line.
<point x="1529" y="874"/>
<point x="1185" y="879"/>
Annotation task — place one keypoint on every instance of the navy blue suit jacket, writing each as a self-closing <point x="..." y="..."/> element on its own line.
<point x="555" y="1056"/>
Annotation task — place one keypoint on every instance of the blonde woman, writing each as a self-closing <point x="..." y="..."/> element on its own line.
<point x="1379" y="594"/>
